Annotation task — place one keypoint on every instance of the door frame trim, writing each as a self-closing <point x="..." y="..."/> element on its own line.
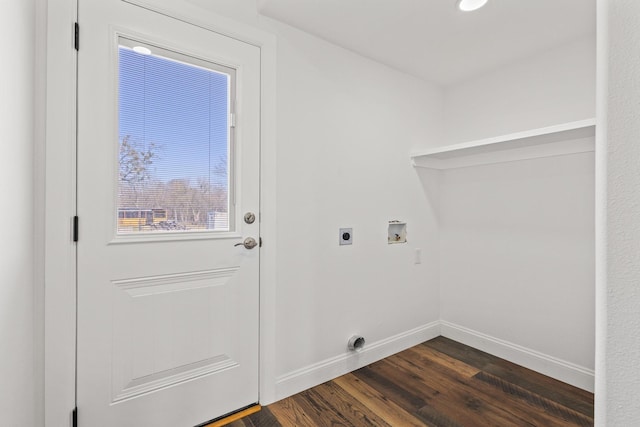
<point x="59" y="195"/>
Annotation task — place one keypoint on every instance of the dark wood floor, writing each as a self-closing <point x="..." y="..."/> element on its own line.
<point x="437" y="383"/>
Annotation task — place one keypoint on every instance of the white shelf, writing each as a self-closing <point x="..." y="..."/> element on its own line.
<point x="567" y="138"/>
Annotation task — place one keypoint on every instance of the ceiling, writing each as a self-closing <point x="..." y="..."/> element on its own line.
<point x="431" y="39"/>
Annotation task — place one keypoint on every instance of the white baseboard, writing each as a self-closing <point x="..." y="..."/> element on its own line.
<point x="318" y="373"/>
<point x="326" y="370"/>
<point x="567" y="372"/>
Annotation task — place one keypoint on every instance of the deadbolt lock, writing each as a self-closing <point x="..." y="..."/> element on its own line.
<point x="249" y="217"/>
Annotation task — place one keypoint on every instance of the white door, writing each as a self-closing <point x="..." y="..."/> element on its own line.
<point x="168" y="166"/>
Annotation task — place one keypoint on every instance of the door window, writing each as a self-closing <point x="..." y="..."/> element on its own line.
<point x="175" y="142"/>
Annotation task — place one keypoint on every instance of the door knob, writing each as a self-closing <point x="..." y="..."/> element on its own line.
<point x="249" y="243"/>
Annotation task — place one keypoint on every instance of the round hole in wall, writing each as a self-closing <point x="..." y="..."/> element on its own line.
<point x="356" y="343"/>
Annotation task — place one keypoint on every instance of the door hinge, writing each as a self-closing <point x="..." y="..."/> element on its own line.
<point x="232" y="120"/>
<point x="76" y="36"/>
<point x="260" y="242"/>
<point x="74" y="417"/>
<point x="75" y="228"/>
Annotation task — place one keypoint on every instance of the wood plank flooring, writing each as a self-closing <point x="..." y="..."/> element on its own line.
<point x="437" y="383"/>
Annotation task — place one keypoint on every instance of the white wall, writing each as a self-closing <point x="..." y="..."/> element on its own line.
<point x="518" y="253"/>
<point x="517" y="239"/>
<point x="40" y="117"/>
<point x="17" y="359"/>
<point x="553" y="87"/>
<point x="346" y="126"/>
<point x="618" y="381"/>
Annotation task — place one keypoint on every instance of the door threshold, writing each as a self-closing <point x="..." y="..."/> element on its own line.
<point x="232" y="416"/>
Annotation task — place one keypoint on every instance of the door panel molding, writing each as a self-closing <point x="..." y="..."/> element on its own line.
<point x="175" y="282"/>
<point x="170" y="377"/>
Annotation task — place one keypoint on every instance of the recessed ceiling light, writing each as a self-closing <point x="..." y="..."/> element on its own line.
<point x="469" y="5"/>
<point x="142" y="50"/>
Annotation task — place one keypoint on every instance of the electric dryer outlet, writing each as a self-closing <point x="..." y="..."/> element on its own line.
<point x="345" y="236"/>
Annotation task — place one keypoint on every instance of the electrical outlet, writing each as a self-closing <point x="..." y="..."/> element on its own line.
<point x="345" y="236"/>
